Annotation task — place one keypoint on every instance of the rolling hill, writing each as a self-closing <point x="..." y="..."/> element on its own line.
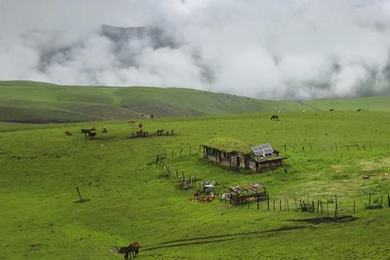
<point x="34" y="102"/>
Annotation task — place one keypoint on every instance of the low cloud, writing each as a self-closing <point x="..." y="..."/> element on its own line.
<point x="267" y="49"/>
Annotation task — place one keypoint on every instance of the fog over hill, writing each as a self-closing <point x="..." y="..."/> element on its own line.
<point x="297" y="49"/>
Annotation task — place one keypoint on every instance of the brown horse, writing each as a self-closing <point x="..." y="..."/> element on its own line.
<point x="91" y="134"/>
<point x="68" y="133"/>
<point x="131" y="250"/>
<point x="85" y="131"/>
<point x="275" y="117"/>
<point x="160" y="132"/>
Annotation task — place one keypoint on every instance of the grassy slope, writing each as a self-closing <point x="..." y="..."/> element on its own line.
<point x="34" y="102"/>
<point x="40" y="168"/>
<point x="39" y="102"/>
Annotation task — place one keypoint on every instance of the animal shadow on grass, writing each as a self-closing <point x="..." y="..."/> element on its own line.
<point x="326" y="220"/>
<point x="217" y="238"/>
<point x="81" y="201"/>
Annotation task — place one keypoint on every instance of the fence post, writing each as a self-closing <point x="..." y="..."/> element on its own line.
<point x="274" y="204"/>
<point x="318" y="206"/>
<point x="257" y="203"/>
<point x="388" y="200"/>
<point x="157" y="158"/>
<point x="369" y="199"/>
<point x="354" y="206"/>
<point x="78" y="192"/>
<point x="280" y="205"/>
<point x="268" y="201"/>
<point x="336" y="207"/>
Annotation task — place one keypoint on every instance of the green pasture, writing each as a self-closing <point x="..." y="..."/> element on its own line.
<point x="35" y="102"/>
<point x="129" y="199"/>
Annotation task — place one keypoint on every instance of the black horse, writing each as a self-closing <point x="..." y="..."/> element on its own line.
<point x="275" y="117"/>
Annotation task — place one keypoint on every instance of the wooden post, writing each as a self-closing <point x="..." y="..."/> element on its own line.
<point x="313" y="207"/>
<point x="322" y="211"/>
<point x="274" y="204"/>
<point x="78" y="192"/>
<point x="257" y="203"/>
<point x="318" y="206"/>
<point x="157" y="158"/>
<point x="354" y="206"/>
<point x="268" y="201"/>
<point x="336" y="207"/>
<point x="388" y="200"/>
<point x="369" y="199"/>
<point x="280" y="205"/>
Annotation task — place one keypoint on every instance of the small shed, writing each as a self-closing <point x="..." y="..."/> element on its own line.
<point x="251" y="192"/>
<point x="235" y="154"/>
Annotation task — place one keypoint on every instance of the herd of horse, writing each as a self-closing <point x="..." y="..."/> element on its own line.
<point x="90" y="133"/>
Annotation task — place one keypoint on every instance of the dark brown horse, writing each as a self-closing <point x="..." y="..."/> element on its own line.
<point x="68" y="133"/>
<point x="160" y="132"/>
<point x="275" y="117"/>
<point x="91" y="134"/>
<point x="130" y="251"/>
<point x="85" y="131"/>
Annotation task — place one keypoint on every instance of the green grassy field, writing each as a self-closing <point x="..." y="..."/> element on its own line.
<point x="34" y="102"/>
<point x="130" y="200"/>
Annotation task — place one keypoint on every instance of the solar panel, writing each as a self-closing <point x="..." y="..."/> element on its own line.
<point x="268" y="151"/>
<point x="257" y="151"/>
<point x="262" y="150"/>
<point x="265" y="146"/>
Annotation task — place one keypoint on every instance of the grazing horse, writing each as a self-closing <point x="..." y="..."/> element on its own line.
<point x="131" y="250"/>
<point x="85" y="131"/>
<point x="68" y="133"/>
<point x="275" y="117"/>
<point x="104" y="130"/>
<point x="91" y="134"/>
<point x="160" y="132"/>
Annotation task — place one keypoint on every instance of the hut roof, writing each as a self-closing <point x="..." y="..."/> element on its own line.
<point x="228" y="145"/>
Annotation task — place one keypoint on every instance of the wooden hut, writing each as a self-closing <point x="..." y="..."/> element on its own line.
<point x="235" y="154"/>
<point x="251" y="192"/>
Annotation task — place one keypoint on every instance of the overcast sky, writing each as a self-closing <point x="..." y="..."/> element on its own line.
<point x="264" y="48"/>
